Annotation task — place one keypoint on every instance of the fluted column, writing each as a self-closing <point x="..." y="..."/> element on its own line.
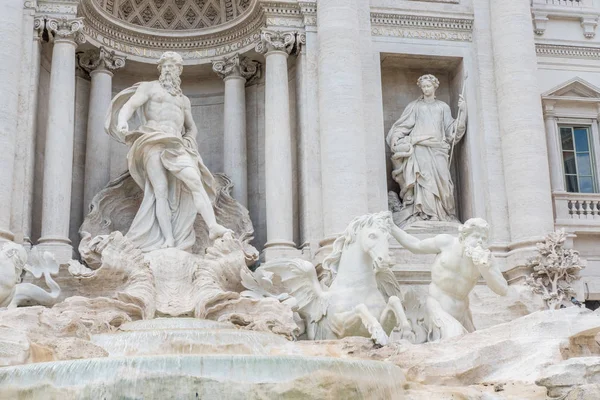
<point x="278" y="143"/>
<point x="23" y="177"/>
<point x="524" y="153"/>
<point x="341" y="120"/>
<point x="554" y="153"/>
<point x="99" y="63"/>
<point x="11" y="22"/>
<point x="235" y="71"/>
<point x="58" y="157"/>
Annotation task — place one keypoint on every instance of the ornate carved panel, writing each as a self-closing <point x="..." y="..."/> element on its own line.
<point x="175" y="14"/>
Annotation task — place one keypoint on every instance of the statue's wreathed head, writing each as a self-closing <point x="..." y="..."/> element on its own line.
<point x="170" y="56"/>
<point x="428" y="78"/>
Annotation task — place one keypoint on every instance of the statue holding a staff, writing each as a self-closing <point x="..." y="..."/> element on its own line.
<point x="422" y="141"/>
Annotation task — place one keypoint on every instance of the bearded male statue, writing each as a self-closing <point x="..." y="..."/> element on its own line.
<point x="164" y="161"/>
<point x="458" y="265"/>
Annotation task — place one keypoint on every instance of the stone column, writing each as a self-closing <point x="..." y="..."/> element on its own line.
<point x="309" y="146"/>
<point x="11" y="25"/>
<point x="341" y="120"/>
<point x="554" y="152"/>
<point x="58" y="158"/>
<point x="99" y="63"/>
<point x="235" y="71"/>
<point x="278" y="144"/>
<point x="525" y="158"/>
<point x="22" y="191"/>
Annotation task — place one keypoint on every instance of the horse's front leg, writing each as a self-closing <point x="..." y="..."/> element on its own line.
<point x="350" y="323"/>
<point x="394" y="317"/>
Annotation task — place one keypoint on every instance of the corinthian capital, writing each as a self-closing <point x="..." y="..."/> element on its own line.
<point x="68" y="29"/>
<point x="275" y="40"/>
<point x="100" y="59"/>
<point x="236" y="65"/>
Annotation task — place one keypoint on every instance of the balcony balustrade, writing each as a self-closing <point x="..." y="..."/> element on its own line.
<point x="577" y="211"/>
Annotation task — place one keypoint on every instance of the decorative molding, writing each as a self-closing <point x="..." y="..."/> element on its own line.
<point x="422" y="27"/>
<point x="554" y="50"/>
<point x="276" y="41"/>
<point x="586" y="12"/>
<point x="196" y="46"/>
<point x="300" y="42"/>
<point x="175" y="14"/>
<point x="309" y="12"/>
<point x="66" y="29"/>
<point x="39" y="24"/>
<point x="236" y="66"/>
<point x="589" y="25"/>
<point x="540" y="20"/>
<point x="55" y="8"/>
<point x="100" y="59"/>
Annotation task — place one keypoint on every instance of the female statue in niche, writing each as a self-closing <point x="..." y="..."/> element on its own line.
<point x="421" y="141"/>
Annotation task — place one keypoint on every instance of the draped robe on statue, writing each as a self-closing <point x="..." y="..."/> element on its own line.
<point x="420" y="163"/>
<point x="177" y="152"/>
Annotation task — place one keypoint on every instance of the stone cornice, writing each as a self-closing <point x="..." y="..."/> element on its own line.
<point x="422" y="26"/>
<point x="554" y="50"/>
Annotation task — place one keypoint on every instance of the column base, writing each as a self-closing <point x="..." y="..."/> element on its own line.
<point x="279" y="249"/>
<point x="60" y="247"/>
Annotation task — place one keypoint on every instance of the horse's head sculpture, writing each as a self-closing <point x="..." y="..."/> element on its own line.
<point x="371" y="232"/>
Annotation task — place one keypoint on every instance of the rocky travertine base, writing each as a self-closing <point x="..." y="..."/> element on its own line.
<point x="554" y="352"/>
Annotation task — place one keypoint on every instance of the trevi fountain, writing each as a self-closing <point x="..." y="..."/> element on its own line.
<point x="299" y="199"/>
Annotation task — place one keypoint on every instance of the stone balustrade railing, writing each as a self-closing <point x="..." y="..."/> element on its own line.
<point x="577" y="211"/>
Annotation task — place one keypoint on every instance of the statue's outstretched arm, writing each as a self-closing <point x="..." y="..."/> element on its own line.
<point x="414" y="245"/>
<point x="493" y="277"/>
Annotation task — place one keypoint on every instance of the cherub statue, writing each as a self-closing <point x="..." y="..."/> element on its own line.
<point x="459" y="263"/>
<point x="13" y="293"/>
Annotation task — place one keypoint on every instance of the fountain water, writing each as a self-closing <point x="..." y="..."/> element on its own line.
<point x="179" y="358"/>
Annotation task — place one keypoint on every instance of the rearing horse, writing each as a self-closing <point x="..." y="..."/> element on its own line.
<point x="361" y="300"/>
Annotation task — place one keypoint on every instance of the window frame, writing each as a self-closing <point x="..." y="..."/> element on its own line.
<point x="573" y="125"/>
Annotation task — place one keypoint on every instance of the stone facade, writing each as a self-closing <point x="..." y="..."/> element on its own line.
<point x="293" y="100"/>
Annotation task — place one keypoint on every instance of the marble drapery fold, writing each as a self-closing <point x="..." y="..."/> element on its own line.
<point x="420" y="140"/>
<point x="178" y="151"/>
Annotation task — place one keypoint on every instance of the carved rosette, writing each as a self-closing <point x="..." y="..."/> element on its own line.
<point x="237" y="66"/>
<point x="100" y="59"/>
<point x="66" y="29"/>
<point x="276" y="41"/>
